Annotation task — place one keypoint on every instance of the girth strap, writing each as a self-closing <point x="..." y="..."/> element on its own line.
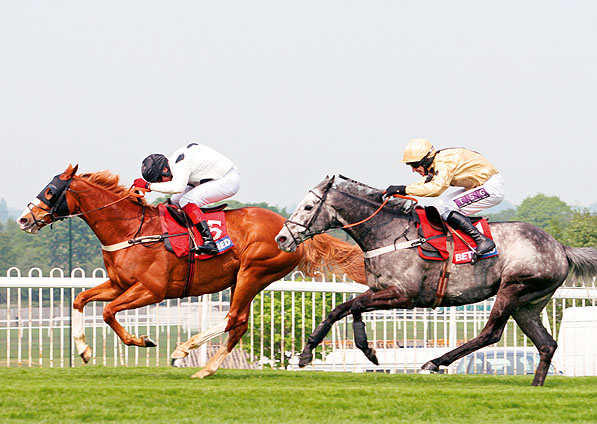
<point x="442" y="285"/>
<point x="190" y="275"/>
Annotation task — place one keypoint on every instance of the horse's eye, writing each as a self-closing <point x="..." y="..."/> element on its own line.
<point x="308" y="207"/>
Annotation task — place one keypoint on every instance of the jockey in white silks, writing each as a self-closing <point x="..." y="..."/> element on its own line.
<point x="480" y="185"/>
<point x="196" y="175"/>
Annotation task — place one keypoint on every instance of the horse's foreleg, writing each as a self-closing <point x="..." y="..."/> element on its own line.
<point x="78" y="329"/>
<point x="134" y="297"/>
<point x="505" y="303"/>
<point x="322" y="330"/>
<point x="182" y="350"/>
<point x="389" y="298"/>
<point x="529" y="322"/>
<point x="104" y="291"/>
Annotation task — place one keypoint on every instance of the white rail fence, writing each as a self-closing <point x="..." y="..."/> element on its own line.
<point x="35" y="327"/>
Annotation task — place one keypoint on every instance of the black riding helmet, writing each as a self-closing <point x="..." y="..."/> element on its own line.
<point x="153" y="166"/>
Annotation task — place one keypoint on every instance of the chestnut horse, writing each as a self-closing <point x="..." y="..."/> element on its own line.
<point x="144" y="274"/>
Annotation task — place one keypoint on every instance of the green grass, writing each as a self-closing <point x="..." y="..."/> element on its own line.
<point x="62" y="343"/>
<point x="157" y="395"/>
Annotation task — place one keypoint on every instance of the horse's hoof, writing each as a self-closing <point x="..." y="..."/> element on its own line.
<point x="179" y="353"/>
<point x="201" y="374"/>
<point x="429" y="368"/>
<point x="305" y="359"/>
<point x="86" y="355"/>
<point x="176" y="362"/>
<point x="370" y="354"/>
<point x="148" y="342"/>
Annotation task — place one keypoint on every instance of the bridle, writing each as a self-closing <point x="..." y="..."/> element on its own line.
<point x="310" y="234"/>
<point x="57" y="205"/>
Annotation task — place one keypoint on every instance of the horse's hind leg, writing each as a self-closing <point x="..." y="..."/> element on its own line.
<point x="250" y="281"/>
<point x="182" y="350"/>
<point x="213" y="364"/>
<point x="322" y="330"/>
<point x="505" y="303"/>
<point x="529" y="321"/>
<point x="103" y="292"/>
<point x="240" y="323"/>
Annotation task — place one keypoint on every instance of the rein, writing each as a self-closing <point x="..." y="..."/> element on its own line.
<point x="137" y="193"/>
<point x="322" y="199"/>
<point x="412" y="199"/>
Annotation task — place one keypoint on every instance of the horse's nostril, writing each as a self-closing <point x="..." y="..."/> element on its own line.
<point x="23" y="221"/>
<point x="281" y="239"/>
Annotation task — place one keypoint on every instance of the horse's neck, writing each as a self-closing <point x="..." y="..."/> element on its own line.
<point x="383" y="227"/>
<point x="111" y="219"/>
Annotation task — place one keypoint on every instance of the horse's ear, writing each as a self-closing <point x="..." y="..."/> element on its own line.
<point x="329" y="181"/>
<point x="69" y="172"/>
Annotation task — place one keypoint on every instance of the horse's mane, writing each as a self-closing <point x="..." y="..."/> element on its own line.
<point x="358" y="189"/>
<point x="364" y="191"/>
<point x="109" y="181"/>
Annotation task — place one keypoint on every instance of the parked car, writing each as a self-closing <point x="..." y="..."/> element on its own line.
<point x="501" y="361"/>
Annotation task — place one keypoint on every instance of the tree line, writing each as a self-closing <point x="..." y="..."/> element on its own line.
<point x="71" y="244"/>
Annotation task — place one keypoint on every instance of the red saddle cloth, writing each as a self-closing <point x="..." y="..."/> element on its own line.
<point x="439" y="251"/>
<point x="179" y="234"/>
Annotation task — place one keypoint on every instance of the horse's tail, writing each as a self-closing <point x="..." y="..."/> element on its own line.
<point x="326" y="253"/>
<point x="582" y="261"/>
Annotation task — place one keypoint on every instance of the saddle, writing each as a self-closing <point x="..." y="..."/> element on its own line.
<point x="180" y="233"/>
<point x="433" y="229"/>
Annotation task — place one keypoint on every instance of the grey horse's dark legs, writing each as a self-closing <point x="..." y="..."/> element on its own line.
<point x="505" y="304"/>
<point x="322" y="330"/>
<point x="530" y="323"/>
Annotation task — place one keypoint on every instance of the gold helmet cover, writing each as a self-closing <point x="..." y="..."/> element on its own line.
<point x="416" y="150"/>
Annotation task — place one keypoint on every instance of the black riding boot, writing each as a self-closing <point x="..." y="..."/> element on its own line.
<point x="209" y="245"/>
<point x="463" y="223"/>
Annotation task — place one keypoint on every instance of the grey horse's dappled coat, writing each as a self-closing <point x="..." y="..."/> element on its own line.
<point x="530" y="266"/>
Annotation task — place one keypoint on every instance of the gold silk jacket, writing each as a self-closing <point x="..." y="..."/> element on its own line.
<point x="453" y="167"/>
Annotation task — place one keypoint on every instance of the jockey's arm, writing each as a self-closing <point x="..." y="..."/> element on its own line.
<point x="179" y="181"/>
<point x="434" y="187"/>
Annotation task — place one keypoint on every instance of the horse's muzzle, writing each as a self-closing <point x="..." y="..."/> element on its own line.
<point x="285" y="243"/>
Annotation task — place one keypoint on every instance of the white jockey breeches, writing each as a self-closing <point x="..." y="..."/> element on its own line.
<point x="475" y="200"/>
<point x="210" y="191"/>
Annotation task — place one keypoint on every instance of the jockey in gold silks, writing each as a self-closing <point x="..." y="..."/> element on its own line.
<point x="479" y="185"/>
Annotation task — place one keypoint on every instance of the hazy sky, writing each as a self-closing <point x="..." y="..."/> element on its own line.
<point x="292" y="91"/>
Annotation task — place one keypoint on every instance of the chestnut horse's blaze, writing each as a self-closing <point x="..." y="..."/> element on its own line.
<point x="143" y="275"/>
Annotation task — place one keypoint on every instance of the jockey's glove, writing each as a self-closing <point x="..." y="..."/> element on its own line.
<point x="396" y="189"/>
<point x="141" y="183"/>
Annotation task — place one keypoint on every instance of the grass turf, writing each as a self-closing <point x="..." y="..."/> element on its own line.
<point x="156" y="395"/>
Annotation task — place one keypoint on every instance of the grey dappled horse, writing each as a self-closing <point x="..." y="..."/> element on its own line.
<point x="531" y="265"/>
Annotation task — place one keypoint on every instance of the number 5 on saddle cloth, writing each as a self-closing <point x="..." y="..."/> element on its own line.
<point x="176" y="225"/>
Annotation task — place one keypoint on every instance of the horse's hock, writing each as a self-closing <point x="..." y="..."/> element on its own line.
<point x="237" y="359"/>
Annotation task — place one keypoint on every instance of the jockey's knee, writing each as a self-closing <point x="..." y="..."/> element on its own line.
<point x="445" y="209"/>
